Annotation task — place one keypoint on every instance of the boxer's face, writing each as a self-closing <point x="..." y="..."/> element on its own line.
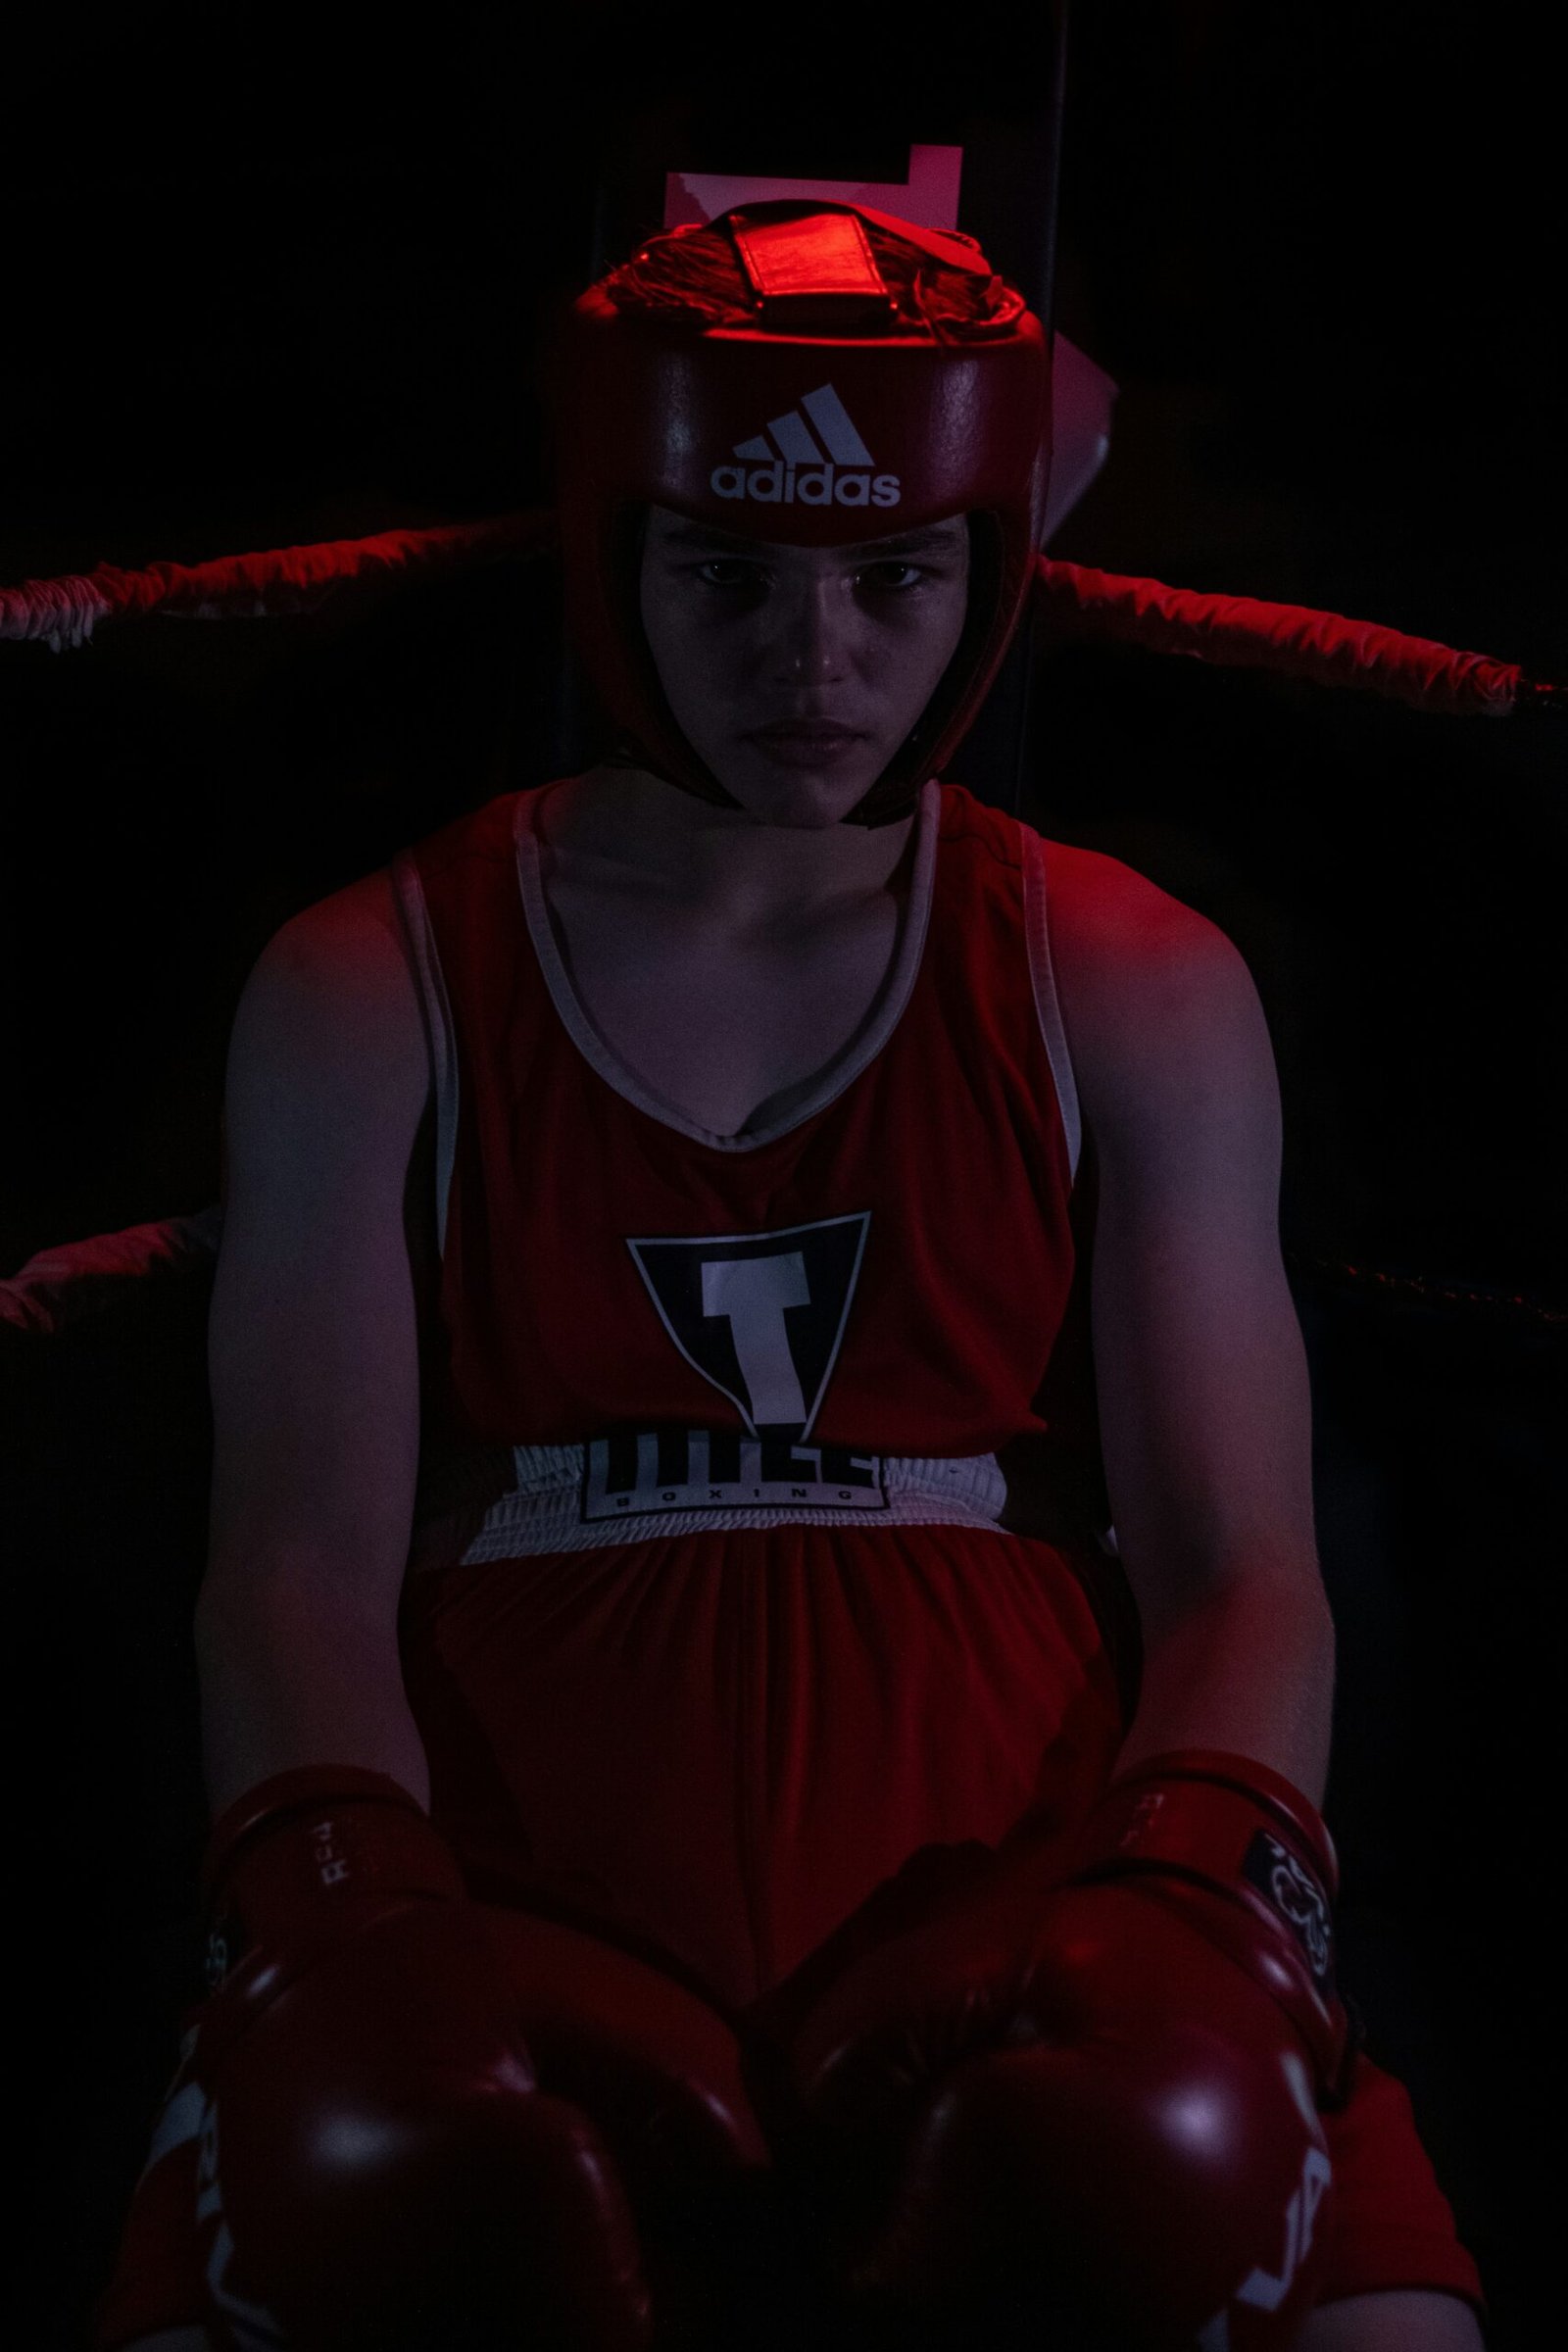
<point x="749" y="637"/>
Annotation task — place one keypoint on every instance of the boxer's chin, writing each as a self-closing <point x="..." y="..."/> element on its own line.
<point x="800" y="787"/>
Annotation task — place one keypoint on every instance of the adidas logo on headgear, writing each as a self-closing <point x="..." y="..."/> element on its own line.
<point x="796" y="469"/>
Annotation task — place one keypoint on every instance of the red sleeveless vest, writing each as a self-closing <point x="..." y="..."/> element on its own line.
<point x="838" y="1368"/>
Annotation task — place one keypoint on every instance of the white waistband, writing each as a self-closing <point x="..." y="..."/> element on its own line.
<point x="508" y="1503"/>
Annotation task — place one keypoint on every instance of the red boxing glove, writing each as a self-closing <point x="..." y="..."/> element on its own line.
<point x="1096" y="2089"/>
<point x="653" y="2065"/>
<point x="377" y="2168"/>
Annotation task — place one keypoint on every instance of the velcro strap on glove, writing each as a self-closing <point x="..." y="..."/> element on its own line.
<point x="310" y="1853"/>
<point x="1233" y="1827"/>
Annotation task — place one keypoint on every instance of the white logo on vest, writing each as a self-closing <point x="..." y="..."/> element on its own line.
<point x="762" y="1317"/>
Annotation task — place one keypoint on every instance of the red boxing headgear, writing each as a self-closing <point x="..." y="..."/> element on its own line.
<point x="826" y="420"/>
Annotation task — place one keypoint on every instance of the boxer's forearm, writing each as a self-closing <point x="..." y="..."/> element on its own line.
<point x="1249" y="1668"/>
<point x="291" y="1677"/>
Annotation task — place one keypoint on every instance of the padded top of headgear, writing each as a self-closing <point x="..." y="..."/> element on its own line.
<point x="811" y="263"/>
<point x="816" y="272"/>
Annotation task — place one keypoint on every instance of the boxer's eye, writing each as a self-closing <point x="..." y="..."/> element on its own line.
<point x="741" y="575"/>
<point x="920" y="572"/>
<point x="750" y="573"/>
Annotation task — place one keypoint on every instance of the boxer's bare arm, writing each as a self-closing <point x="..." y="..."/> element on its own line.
<point x="314" y="1359"/>
<point x="1201" y="1374"/>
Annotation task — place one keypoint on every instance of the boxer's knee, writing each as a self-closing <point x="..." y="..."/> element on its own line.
<point x="174" y="2339"/>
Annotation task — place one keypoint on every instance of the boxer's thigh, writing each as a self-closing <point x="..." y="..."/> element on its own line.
<point x="1398" y="2320"/>
<point x="1390" y="2229"/>
<point x="158" y="2289"/>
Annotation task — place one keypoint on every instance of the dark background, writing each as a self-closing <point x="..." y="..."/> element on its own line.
<point x="274" y="276"/>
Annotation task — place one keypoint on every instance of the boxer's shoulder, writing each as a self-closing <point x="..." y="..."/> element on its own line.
<point x="331" y="1069"/>
<point x="341" y="971"/>
<point x="1149" y="988"/>
<point x="361" y="922"/>
<point x="1103" y="911"/>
